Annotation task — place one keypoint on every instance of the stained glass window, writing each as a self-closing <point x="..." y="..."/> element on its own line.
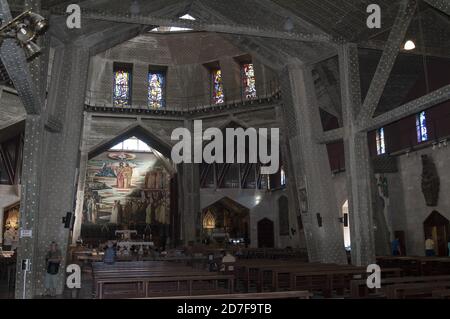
<point x="218" y="96"/>
<point x="122" y="79"/>
<point x="421" y="127"/>
<point x="381" y="145"/>
<point x="156" y="85"/>
<point x="282" y="177"/>
<point x="248" y="78"/>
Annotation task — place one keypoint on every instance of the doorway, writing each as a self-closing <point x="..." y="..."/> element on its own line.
<point x="436" y="227"/>
<point x="226" y="222"/>
<point x="266" y="236"/>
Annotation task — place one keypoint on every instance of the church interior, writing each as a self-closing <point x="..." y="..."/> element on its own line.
<point x="94" y="205"/>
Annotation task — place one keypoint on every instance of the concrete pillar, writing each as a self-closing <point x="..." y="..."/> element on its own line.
<point x="325" y="243"/>
<point x="291" y="188"/>
<point x="357" y="161"/>
<point x="190" y="204"/>
<point x="50" y="164"/>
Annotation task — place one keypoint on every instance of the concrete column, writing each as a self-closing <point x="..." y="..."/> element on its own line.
<point x="29" y="205"/>
<point x="357" y="161"/>
<point x="291" y="188"/>
<point x="50" y="164"/>
<point x="190" y="208"/>
<point x="325" y="243"/>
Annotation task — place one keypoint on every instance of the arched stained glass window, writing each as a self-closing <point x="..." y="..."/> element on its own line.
<point x="249" y="82"/>
<point x="156" y="87"/>
<point x="122" y="87"/>
<point x="421" y="127"/>
<point x="218" y="96"/>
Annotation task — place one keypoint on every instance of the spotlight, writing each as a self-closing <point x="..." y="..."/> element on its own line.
<point x="409" y="45"/>
<point x="25" y="28"/>
<point x="38" y="23"/>
<point x="31" y="50"/>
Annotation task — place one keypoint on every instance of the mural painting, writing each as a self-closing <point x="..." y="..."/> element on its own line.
<point x="128" y="190"/>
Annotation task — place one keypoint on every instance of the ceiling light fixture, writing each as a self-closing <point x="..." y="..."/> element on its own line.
<point x="409" y="45"/>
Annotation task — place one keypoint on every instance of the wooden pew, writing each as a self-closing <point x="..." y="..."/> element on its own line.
<point x="359" y="289"/>
<point x="260" y="295"/>
<point x="144" y="274"/>
<point x="415" y="290"/>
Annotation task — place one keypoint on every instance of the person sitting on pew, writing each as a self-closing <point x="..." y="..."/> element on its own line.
<point x="110" y="254"/>
<point x="227" y="259"/>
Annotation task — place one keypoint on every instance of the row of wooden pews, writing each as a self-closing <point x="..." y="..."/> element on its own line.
<point x="425" y="277"/>
<point x="143" y="279"/>
<point x="291" y="275"/>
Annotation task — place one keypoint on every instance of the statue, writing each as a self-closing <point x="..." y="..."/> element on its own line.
<point x="430" y="181"/>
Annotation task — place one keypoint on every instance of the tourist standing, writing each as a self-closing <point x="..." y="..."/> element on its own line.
<point x="53" y="261"/>
<point x="395" y="245"/>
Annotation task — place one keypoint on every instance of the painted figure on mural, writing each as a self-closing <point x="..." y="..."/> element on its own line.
<point x="116" y="213"/>
<point x="128" y="175"/>
<point x="120" y="174"/>
<point x="105" y="171"/>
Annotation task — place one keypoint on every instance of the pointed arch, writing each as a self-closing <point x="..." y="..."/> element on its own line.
<point x="138" y="131"/>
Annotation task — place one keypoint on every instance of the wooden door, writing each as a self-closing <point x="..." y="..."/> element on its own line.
<point x="266" y="234"/>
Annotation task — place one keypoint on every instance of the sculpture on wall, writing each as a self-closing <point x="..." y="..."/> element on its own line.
<point x="430" y="181"/>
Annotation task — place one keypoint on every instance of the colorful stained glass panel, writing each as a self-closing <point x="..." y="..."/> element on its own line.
<point x="249" y="83"/>
<point x="381" y="145"/>
<point x="122" y="88"/>
<point x="156" y="84"/>
<point x="218" y="96"/>
<point x="421" y="126"/>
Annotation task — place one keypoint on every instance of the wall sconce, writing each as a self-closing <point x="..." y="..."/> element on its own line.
<point x="25" y="28"/>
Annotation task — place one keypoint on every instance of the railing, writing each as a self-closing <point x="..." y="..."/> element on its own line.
<point x="194" y="103"/>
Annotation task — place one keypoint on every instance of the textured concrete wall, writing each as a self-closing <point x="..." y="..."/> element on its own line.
<point x="415" y="208"/>
<point x="188" y="80"/>
<point x="11" y="109"/>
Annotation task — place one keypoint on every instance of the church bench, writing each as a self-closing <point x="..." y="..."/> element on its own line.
<point x="441" y="294"/>
<point x="332" y="279"/>
<point x="254" y="296"/>
<point x="359" y="289"/>
<point x="417" y="265"/>
<point x="253" y="272"/>
<point x="273" y="273"/>
<point x="325" y="281"/>
<point x="146" y="282"/>
<point x="415" y="290"/>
